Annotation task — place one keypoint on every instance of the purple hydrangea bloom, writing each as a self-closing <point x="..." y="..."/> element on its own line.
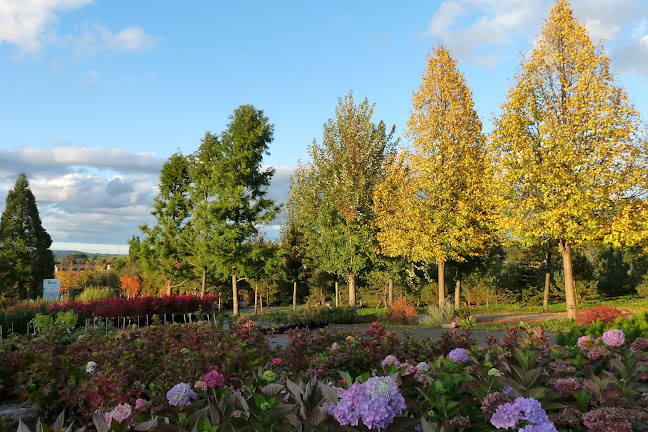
<point x="459" y="355"/>
<point x="376" y="402"/>
<point x="614" y="337"/>
<point x="509" y="414"/>
<point x="180" y="394"/>
<point x="506" y="416"/>
<point x="390" y="360"/>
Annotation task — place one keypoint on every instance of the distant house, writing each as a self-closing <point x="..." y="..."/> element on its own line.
<point x="78" y="264"/>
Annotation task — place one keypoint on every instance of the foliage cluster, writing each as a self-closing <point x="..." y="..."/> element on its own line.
<point x="401" y="312"/>
<point x="604" y="313"/>
<point x="133" y="363"/>
<point x="599" y="384"/>
<point x="634" y="327"/>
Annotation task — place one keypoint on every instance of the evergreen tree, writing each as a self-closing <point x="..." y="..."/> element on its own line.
<point x="166" y="250"/>
<point x="569" y="158"/>
<point x="228" y="192"/>
<point x="331" y="196"/>
<point x="25" y="257"/>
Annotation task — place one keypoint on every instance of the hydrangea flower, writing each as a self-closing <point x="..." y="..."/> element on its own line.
<point x="201" y="385"/>
<point x="376" y="402"/>
<point x="276" y="361"/>
<point x="586" y="338"/>
<point x="121" y="412"/>
<point x="459" y="355"/>
<point x="508" y="415"/>
<point x="214" y="378"/>
<point x="180" y="394"/>
<point x="140" y="404"/>
<point x="269" y="376"/>
<point x="423" y="367"/>
<point x="335" y="346"/>
<point x="614" y="337"/>
<point x="90" y="366"/>
<point x="390" y="360"/>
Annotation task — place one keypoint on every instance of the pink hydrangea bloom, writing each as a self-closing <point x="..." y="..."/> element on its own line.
<point x="214" y="378"/>
<point x="587" y="339"/>
<point x="276" y="361"/>
<point x="614" y="337"/>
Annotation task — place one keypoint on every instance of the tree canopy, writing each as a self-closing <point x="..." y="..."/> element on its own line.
<point x="568" y="159"/>
<point x="331" y="196"/>
<point x="433" y="204"/>
<point x="25" y="257"/>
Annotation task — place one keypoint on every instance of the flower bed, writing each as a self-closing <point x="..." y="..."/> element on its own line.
<point x="198" y="377"/>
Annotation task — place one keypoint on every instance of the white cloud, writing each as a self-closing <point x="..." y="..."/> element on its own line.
<point x="97" y="38"/>
<point x="468" y="26"/>
<point x="29" y="23"/>
<point x="483" y="31"/>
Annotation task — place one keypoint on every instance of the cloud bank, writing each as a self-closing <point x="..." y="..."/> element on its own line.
<point x="98" y="195"/>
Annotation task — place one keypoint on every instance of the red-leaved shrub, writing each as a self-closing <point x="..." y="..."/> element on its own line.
<point x="595" y="313"/>
<point x="401" y="312"/>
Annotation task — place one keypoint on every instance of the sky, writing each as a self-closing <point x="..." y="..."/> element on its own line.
<point x="96" y="95"/>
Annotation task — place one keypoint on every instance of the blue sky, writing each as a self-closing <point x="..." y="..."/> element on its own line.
<point x="97" y="94"/>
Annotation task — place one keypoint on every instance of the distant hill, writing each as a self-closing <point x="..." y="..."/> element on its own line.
<point x="91" y="255"/>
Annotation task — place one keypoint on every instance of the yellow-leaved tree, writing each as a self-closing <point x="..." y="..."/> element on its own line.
<point x="433" y="204"/>
<point x="568" y="160"/>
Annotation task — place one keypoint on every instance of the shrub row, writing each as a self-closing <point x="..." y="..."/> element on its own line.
<point x="18" y="316"/>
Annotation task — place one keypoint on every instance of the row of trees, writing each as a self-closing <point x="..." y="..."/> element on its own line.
<point x="564" y="166"/>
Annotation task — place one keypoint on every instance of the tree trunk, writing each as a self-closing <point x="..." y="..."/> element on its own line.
<point x="337" y="295"/>
<point x="352" y="291"/>
<point x="256" y="297"/>
<point x="390" y="292"/>
<point x="235" y="304"/>
<point x="168" y="288"/>
<point x="204" y="283"/>
<point x="441" y="272"/>
<point x="545" y="301"/>
<point x="294" y="296"/>
<point x="570" y="295"/>
<point x="458" y="289"/>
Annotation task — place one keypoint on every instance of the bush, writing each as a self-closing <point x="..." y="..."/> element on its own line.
<point x="401" y="312"/>
<point x="96" y="293"/>
<point x="436" y="315"/>
<point x="604" y="313"/>
<point x="642" y="288"/>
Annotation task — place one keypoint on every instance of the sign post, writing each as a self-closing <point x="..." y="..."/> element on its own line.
<point x="51" y="289"/>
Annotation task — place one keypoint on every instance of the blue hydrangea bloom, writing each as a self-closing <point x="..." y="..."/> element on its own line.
<point x="180" y="394"/>
<point x="459" y="355"/>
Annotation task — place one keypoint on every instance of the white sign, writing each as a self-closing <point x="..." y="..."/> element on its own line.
<point x="51" y="289"/>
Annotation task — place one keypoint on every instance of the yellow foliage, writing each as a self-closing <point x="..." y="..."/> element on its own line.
<point x="568" y="158"/>
<point x="434" y="203"/>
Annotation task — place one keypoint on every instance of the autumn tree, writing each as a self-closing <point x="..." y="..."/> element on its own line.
<point x="131" y="285"/>
<point x="229" y="188"/>
<point x="331" y="196"/>
<point x="433" y="204"/>
<point x="25" y="255"/>
<point x="166" y="250"/>
<point x="566" y="145"/>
